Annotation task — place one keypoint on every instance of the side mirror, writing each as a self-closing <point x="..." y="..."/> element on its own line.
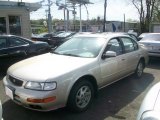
<point x="109" y="54"/>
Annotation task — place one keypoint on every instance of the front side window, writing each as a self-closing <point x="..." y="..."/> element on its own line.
<point x="15" y="25"/>
<point x="88" y="47"/>
<point x="114" y="45"/>
<point x="3" y="43"/>
<point x="128" y="44"/>
<point x="16" y="42"/>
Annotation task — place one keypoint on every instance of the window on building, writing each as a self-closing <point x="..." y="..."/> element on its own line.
<point x="3" y="25"/>
<point x="15" y="25"/>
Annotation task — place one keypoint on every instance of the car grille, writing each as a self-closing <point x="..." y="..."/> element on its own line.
<point x="15" y="81"/>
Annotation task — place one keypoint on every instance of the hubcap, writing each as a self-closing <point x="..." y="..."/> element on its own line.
<point x="140" y="69"/>
<point x="83" y="96"/>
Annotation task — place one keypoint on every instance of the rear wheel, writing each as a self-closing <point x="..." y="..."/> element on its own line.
<point x="81" y="96"/>
<point x="139" y="69"/>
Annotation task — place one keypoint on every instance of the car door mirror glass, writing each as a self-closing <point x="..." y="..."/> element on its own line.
<point x="109" y="54"/>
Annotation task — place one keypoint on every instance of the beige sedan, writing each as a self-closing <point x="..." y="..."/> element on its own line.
<point x="72" y="74"/>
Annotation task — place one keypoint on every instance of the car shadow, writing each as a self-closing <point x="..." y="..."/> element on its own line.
<point x="154" y="63"/>
<point x="109" y="102"/>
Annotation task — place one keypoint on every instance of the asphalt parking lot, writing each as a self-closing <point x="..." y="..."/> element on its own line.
<point x="119" y="101"/>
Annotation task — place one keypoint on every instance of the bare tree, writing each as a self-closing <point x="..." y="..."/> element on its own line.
<point x="156" y="12"/>
<point x="145" y="9"/>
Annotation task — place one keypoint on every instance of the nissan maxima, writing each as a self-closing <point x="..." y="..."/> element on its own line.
<point x="72" y="73"/>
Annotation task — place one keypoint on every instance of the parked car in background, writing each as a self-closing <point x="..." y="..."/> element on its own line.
<point x="42" y="36"/>
<point x="72" y="74"/>
<point x="124" y="33"/>
<point x="152" y="43"/>
<point x="14" y="48"/>
<point x="1" y="111"/>
<point x="56" y="38"/>
<point x="143" y="35"/>
<point x="150" y="107"/>
<point x="133" y="36"/>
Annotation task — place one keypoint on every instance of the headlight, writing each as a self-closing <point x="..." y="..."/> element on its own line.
<point x="41" y="86"/>
<point x="150" y="115"/>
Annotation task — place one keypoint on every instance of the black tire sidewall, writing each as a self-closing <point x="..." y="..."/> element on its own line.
<point x="72" y="97"/>
<point x="136" y="72"/>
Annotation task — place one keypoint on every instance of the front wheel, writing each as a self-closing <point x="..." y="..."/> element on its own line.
<point x="139" y="69"/>
<point x="81" y="96"/>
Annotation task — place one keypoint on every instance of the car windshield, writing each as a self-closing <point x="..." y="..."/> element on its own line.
<point x="88" y="47"/>
<point x="155" y="37"/>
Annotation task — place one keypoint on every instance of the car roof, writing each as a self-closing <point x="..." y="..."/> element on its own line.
<point x="6" y="35"/>
<point x="103" y="35"/>
<point x="145" y="34"/>
<point x="30" y="41"/>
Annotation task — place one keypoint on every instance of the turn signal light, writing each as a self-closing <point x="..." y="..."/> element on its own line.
<point x="45" y="100"/>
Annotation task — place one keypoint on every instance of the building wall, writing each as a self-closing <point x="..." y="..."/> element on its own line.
<point x="155" y="27"/>
<point x="24" y="16"/>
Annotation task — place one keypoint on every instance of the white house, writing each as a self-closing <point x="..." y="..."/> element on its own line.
<point x="15" y="17"/>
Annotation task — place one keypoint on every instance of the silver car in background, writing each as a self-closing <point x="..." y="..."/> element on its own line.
<point x="152" y="43"/>
<point x="143" y="35"/>
<point x="72" y="74"/>
<point x="150" y="107"/>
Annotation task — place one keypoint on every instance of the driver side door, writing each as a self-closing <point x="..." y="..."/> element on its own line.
<point x="113" y="68"/>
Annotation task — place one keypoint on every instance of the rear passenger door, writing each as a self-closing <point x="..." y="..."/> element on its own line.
<point x="131" y="52"/>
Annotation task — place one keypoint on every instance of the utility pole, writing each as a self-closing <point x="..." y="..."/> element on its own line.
<point x="124" y="23"/>
<point x="49" y="17"/>
<point x="80" y="18"/>
<point x="67" y="20"/>
<point x="104" y="22"/>
<point x="87" y="17"/>
<point x="64" y="12"/>
<point x="74" y="16"/>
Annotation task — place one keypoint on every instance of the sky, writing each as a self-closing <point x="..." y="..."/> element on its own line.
<point x="115" y="10"/>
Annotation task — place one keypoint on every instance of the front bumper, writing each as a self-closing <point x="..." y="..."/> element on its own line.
<point x="20" y="96"/>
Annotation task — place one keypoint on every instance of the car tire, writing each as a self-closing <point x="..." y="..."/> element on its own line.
<point x="81" y="96"/>
<point x="139" y="69"/>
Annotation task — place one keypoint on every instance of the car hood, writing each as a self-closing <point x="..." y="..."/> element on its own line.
<point x="47" y="66"/>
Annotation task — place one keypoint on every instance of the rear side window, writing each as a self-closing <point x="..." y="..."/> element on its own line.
<point x="129" y="44"/>
<point x="16" y="42"/>
<point x="3" y="43"/>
